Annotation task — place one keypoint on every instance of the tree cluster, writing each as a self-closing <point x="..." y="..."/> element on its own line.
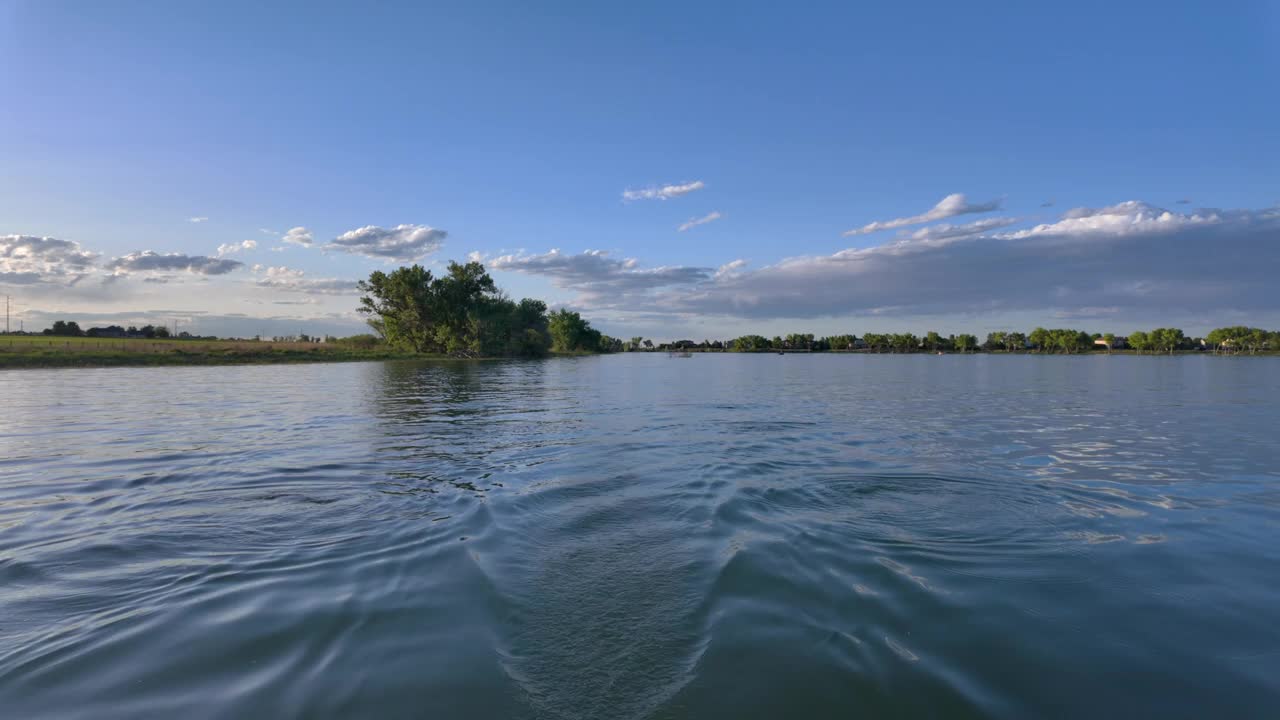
<point x="1243" y="339"/>
<point x="463" y="313"/>
<point x="65" y="328"/>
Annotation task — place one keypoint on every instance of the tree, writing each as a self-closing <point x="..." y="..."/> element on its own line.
<point x="401" y="307"/>
<point x="1140" y="341"/>
<point x="933" y="341"/>
<point x="750" y="343"/>
<point x="905" y="342"/>
<point x="966" y="343"/>
<point x="65" y="329"/>
<point x="1166" y="339"/>
<point x="1040" y="339"/>
<point x="1110" y="340"/>
<point x="1015" y="341"/>
<point x="460" y="313"/>
<point x="839" y="342"/>
<point x="570" y="333"/>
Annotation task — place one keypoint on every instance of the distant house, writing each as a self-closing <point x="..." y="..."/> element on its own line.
<point x="1120" y="343"/>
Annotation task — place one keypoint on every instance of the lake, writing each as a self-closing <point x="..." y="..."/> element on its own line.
<point x="637" y="536"/>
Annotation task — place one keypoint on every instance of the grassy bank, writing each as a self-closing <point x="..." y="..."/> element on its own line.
<point x="40" y="351"/>
<point x="48" y="352"/>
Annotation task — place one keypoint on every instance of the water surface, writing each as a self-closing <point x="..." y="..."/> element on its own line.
<point x="642" y="537"/>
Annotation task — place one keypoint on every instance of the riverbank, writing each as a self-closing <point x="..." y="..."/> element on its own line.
<point x="18" y="352"/>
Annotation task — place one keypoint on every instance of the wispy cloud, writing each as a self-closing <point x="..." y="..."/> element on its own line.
<point x="599" y="276"/>
<point x="198" y="219"/>
<point x="401" y="243"/>
<point x="949" y="206"/>
<point x="695" y="222"/>
<point x="232" y="248"/>
<point x="662" y="192"/>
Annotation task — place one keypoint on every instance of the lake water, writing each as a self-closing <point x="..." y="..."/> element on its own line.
<point x="635" y="536"/>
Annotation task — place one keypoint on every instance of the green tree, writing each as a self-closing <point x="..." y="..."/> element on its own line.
<point x="570" y="333"/>
<point x="750" y="343"/>
<point x="460" y="313"/>
<point x="1110" y="340"/>
<point x="966" y="343"/>
<point x="401" y="307"/>
<point x="1041" y="340"/>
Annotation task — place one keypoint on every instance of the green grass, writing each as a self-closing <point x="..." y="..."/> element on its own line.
<point x="17" y="351"/>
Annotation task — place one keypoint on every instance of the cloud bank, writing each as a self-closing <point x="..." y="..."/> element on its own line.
<point x="601" y="279"/>
<point x="151" y="261"/>
<point x="1127" y="259"/>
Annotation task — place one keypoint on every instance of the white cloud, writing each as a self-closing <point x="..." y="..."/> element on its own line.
<point x="267" y="231"/>
<point x="292" y="280"/>
<point x="298" y="236"/>
<point x="731" y="268"/>
<point x="401" y="243"/>
<point x="27" y="259"/>
<point x="949" y="206"/>
<point x="663" y="192"/>
<point x="198" y="219"/>
<point x="232" y="248"/>
<point x="151" y="261"/>
<point x="694" y="222"/>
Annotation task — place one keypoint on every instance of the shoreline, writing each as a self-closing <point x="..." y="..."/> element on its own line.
<point x="50" y="360"/>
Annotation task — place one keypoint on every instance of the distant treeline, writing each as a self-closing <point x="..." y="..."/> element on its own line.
<point x="1041" y="340"/>
<point x="71" y="328"/>
<point x="462" y="313"/>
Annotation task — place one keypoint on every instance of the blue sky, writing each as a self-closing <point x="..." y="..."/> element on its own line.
<point x="516" y="129"/>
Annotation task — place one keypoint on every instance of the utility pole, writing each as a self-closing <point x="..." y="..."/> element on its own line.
<point x="6" y="314"/>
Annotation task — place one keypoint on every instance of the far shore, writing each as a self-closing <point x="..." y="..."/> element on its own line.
<point x="169" y="354"/>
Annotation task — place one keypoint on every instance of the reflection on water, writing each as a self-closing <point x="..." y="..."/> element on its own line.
<point x="733" y="536"/>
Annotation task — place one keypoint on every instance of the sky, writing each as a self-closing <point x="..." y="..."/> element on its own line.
<point x="671" y="170"/>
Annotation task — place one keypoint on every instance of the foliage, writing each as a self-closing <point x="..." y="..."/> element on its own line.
<point x="62" y="328"/>
<point x="570" y="333"/>
<point x="1061" y="340"/>
<point x="460" y="313"/>
<point x="1243" y="339"/>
